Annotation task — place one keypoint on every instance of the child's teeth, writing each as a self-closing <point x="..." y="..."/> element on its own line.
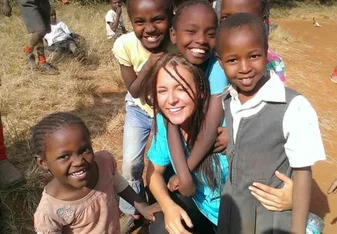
<point x="151" y="39"/>
<point x="198" y="51"/>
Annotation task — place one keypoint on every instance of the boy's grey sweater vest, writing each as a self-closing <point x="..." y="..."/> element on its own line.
<point x="254" y="157"/>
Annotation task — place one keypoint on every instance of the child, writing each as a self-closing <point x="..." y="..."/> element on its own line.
<point x="81" y="196"/>
<point x="270" y="128"/>
<point x="261" y="9"/>
<point x="136" y="53"/>
<point x="114" y="21"/>
<point x="36" y="16"/>
<point x="179" y="94"/>
<point x="193" y="32"/>
<point x="60" y="38"/>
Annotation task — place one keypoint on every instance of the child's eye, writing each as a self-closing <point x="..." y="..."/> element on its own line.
<point x="139" y="22"/>
<point x="86" y="150"/>
<point x="231" y="60"/>
<point x="64" y="157"/>
<point x="255" y="56"/>
<point x="189" y="31"/>
<point x="211" y="34"/>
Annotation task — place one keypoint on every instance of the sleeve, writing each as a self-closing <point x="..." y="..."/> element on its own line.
<point x="158" y="153"/>
<point x="304" y="145"/>
<point x="120" y="52"/>
<point x="119" y="182"/>
<point x="45" y="224"/>
<point x="108" y="17"/>
<point x="217" y="79"/>
<point x="65" y="28"/>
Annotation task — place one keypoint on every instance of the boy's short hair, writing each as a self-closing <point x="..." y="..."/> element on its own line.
<point x="167" y="3"/>
<point x="238" y="21"/>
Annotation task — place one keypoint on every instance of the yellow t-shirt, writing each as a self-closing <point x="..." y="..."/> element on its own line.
<point x="129" y="51"/>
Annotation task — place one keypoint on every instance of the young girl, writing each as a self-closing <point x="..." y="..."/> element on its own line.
<point x="136" y="53"/>
<point x="180" y="95"/>
<point x="270" y="128"/>
<point x="193" y="31"/>
<point x="81" y="196"/>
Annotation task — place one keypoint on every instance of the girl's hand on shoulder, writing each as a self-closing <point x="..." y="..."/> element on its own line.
<point x="173" y="216"/>
<point x="274" y="199"/>
<point x="333" y="187"/>
<point x="149" y="211"/>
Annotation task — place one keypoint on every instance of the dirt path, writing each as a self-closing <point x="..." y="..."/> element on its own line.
<point x="309" y="63"/>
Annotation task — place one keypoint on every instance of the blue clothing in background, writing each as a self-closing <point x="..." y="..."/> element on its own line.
<point x="216" y="76"/>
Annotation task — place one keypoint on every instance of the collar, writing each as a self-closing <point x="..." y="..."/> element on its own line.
<point x="272" y="91"/>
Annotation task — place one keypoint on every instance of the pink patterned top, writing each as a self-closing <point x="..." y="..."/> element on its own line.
<point x="275" y="63"/>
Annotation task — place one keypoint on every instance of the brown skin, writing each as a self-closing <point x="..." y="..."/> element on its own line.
<point x="301" y="198"/>
<point x="195" y="29"/>
<point x="148" y="19"/>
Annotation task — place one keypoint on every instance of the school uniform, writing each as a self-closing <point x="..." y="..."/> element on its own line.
<point x="275" y="130"/>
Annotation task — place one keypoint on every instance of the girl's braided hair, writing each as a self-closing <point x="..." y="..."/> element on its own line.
<point x="50" y="124"/>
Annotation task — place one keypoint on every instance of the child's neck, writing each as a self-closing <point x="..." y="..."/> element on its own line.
<point x="246" y="96"/>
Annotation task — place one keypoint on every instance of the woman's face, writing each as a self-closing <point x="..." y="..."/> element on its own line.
<point x="176" y="97"/>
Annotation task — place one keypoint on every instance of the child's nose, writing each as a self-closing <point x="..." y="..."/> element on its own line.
<point x="149" y="28"/>
<point x="78" y="160"/>
<point x="245" y="66"/>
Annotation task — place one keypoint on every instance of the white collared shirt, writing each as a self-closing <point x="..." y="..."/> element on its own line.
<point x="304" y="144"/>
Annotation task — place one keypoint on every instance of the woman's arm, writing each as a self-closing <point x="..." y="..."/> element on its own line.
<point x="173" y="214"/>
<point x="132" y="81"/>
<point x="272" y="198"/>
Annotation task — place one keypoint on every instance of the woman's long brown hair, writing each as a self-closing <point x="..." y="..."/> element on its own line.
<point x="209" y="170"/>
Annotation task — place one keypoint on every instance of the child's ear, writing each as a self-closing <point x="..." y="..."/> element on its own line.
<point x="173" y="36"/>
<point x="264" y="19"/>
<point x="41" y="162"/>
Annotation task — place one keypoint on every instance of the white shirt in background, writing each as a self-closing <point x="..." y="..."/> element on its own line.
<point x="111" y="17"/>
<point x="59" y="32"/>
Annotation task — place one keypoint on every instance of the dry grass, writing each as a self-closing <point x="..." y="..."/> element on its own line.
<point x="303" y="10"/>
<point x="94" y="92"/>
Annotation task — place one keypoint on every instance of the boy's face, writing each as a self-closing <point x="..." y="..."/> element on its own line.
<point x="115" y="4"/>
<point x="243" y="57"/>
<point x="230" y="7"/>
<point x="53" y="17"/>
<point x="194" y="34"/>
<point x="150" y="22"/>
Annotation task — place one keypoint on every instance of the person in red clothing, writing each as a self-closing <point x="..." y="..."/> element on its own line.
<point x="9" y="174"/>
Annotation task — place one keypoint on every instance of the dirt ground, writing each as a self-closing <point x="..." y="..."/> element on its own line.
<point x="309" y="62"/>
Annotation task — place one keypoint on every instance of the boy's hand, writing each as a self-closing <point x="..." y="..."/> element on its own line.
<point x="148" y="211"/>
<point x="119" y="11"/>
<point x="333" y="187"/>
<point x="221" y="141"/>
<point x="7" y="10"/>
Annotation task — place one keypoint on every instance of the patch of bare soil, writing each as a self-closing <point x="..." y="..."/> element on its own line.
<point x="309" y="64"/>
